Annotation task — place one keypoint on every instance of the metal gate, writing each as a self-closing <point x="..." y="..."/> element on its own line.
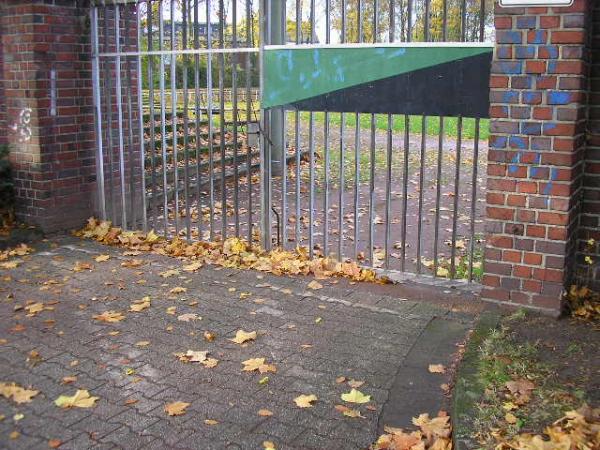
<point x="188" y="147"/>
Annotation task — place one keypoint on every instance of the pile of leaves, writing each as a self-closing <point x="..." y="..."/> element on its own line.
<point x="5" y="255"/>
<point x="433" y="434"/>
<point x="575" y="430"/>
<point x="584" y="303"/>
<point x="233" y="253"/>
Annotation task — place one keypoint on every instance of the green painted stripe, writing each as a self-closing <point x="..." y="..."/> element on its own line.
<point x="293" y="74"/>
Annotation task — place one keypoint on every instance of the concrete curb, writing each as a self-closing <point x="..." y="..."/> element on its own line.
<point x="467" y="388"/>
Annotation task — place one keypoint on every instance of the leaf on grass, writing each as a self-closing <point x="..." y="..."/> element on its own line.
<point x="81" y="399"/>
<point x="510" y="418"/>
<point x="258" y="364"/>
<point x="140" y="305"/>
<point x="355" y="396"/>
<point x="16" y="393"/>
<point x="521" y="390"/>
<point x="176" y="408"/>
<point x="242" y="336"/>
<point x="305" y="401"/>
<point x="349" y="412"/>
<point x="437" y="368"/>
<point x="109" y="317"/>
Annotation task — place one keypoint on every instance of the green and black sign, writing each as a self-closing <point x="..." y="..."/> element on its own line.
<point x="448" y="79"/>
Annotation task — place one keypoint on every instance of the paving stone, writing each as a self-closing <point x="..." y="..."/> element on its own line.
<point x="364" y="336"/>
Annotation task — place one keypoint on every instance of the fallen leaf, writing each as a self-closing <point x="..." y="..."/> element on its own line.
<point x="265" y="413"/>
<point x="437" y="368"/>
<point x="208" y="336"/>
<point x="109" y="316"/>
<point x="171" y="310"/>
<point x="355" y="396"/>
<point x="268" y="445"/>
<point x="305" y="401"/>
<point x="102" y="258"/>
<point x="81" y="399"/>
<point x="193" y="266"/>
<point x="348" y="412"/>
<point x="188" y="317"/>
<point x="142" y="343"/>
<point x="16" y="393"/>
<point x="242" y="336"/>
<point x="68" y="380"/>
<point x="140" y="305"/>
<point x="176" y="408"/>
<point x="81" y="266"/>
<point x="258" y="364"/>
<point x="314" y="284"/>
<point x="210" y="422"/>
<point x="355" y="383"/>
<point x="178" y="290"/>
<point x="192" y="356"/>
<point x="510" y="418"/>
<point x="54" y="443"/>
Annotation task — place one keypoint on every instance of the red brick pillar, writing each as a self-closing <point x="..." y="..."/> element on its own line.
<point x="538" y="103"/>
<point x="49" y="114"/>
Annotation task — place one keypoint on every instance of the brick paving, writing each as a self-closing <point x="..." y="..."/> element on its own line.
<point x="312" y="337"/>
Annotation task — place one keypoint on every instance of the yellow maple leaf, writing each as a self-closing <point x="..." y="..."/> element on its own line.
<point x="140" y="305"/>
<point x="355" y="396"/>
<point x="349" y="412"/>
<point x="437" y="368"/>
<point x="242" y="336"/>
<point x="305" y="401"/>
<point x="109" y="316"/>
<point x="81" y="399"/>
<point x="17" y="393"/>
<point x="152" y="237"/>
<point x="102" y="258"/>
<point x="258" y="364"/>
<point x="176" y="408"/>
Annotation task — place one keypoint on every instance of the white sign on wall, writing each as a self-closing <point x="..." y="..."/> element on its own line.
<point x="509" y="3"/>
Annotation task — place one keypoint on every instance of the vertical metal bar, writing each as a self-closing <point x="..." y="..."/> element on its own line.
<point x="474" y="198"/>
<point x="130" y="150"/>
<point x="311" y="147"/>
<point x="186" y="155"/>
<point x="265" y="156"/>
<point x="392" y="36"/>
<point x="234" y="99"/>
<point x="357" y="145"/>
<point x="409" y="23"/>
<point x="221" y="58"/>
<point x="456" y="193"/>
<point x="421" y="189"/>
<point x="372" y="189"/>
<point x="482" y="21"/>
<point x="388" y="191"/>
<point x="298" y="232"/>
<point x="174" y="118"/>
<point x="342" y="179"/>
<point x="327" y="161"/>
<point x="463" y="20"/>
<point x="119" y="98"/>
<point x="140" y="101"/>
<point x="209" y="107"/>
<point x="283" y="152"/>
<point x="426" y="22"/>
<point x="405" y="190"/>
<point x="359" y="24"/>
<point x="153" y="203"/>
<point x="198" y="115"/>
<point x="438" y="195"/>
<point x="98" y="112"/>
<point x="445" y="20"/>
<point x="109" y="117"/>
<point x="163" y="119"/>
<point x="249" y="116"/>
<point x="375" y="20"/>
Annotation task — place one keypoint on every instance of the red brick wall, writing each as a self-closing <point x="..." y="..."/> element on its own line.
<point x="53" y="154"/>
<point x="538" y="108"/>
<point x="589" y="271"/>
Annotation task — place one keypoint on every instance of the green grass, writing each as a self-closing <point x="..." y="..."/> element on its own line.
<point x="415" y="123"/>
